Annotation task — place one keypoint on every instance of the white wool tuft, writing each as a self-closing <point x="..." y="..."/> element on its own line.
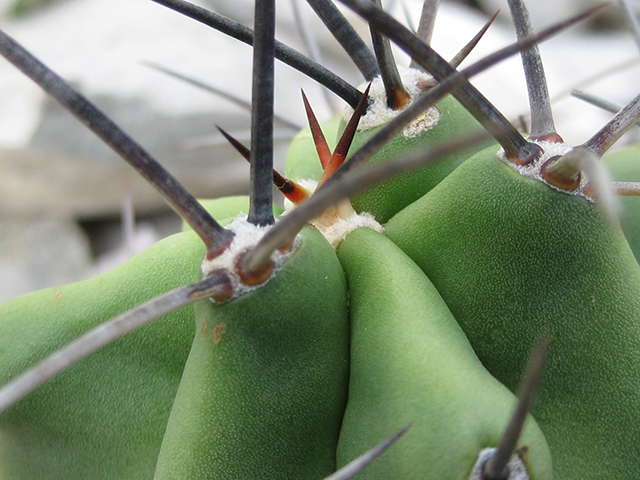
<point x="247" y="235"/>
<point x="379" y="113"/>
<point x="336" y="222"/>
<point x="517" y="470"/>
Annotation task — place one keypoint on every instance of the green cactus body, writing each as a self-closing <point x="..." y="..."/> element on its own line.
<point x="448" y="120"/>
<point x="265" y="385"/>
<point x="410" y="361"/>
<point x="512" y="258"/>
<point x="624" y="166"/>
<point x="105" y="417"/>
<point x="390" y="197"/>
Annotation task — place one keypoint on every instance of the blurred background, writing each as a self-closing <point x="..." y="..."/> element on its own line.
<point x="65" y="197"/>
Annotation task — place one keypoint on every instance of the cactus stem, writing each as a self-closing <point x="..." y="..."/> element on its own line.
<point x="216" y="285"/>
<point x="338" y="185"/>
<point x="342" y="186"/>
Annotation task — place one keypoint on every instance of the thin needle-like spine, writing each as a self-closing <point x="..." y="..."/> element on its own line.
<point x="397" y="96"/>
<point x="261" y="176"/>
<point x="468" y="48"/>
<point x="217" y="283"/>
<point x="429" y="98"/>
<point x="515" y="146"/>
<point x="615" y="128"/>
<point x="283" y="52"/>
<point x="215" y="237"/>
<point x="343" y="186"/>
<point x="591" y="79"/>
<point x="427" y="20"/>
<point x="354" y="467"/>
<point x="633" y="21"/>
<point x="311" y="43"/>
<point x="347" y="37"/>
<point x="319" y="140"/>
<point x="599" y="102"/>
<point x="287" y="187"/>
<point x="241" y="102"/>
<point x="426" y="24"/>
<point x="626" y="189"/>
<point x="339" y="186"/>
<point x="542" y="126"/>
<point x="495" y="467"/>
<point x="341" y="150"/>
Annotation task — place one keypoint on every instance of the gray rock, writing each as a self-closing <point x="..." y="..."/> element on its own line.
<point x="40" y="252"/>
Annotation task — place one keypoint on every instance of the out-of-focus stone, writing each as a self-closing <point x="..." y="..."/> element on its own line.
<point x="40" y="252"/>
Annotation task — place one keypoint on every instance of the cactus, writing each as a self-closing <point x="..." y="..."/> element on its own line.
<point x="235" y="334"/>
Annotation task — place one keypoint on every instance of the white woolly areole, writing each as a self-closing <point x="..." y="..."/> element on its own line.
<point x="517" y="470"/>
<point x="247" y="235"/>
<point x="532" y="170"/>
<point x="379" y="113"/>
<point x="335" y="227"/>
<point x="338" y="221"/>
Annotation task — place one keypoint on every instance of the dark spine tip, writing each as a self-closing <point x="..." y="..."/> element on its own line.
<point x="341" y="150"/>
<point x="319" y="140"/>
<point x="240" y="148"/>
<point x="468" y="48"/>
